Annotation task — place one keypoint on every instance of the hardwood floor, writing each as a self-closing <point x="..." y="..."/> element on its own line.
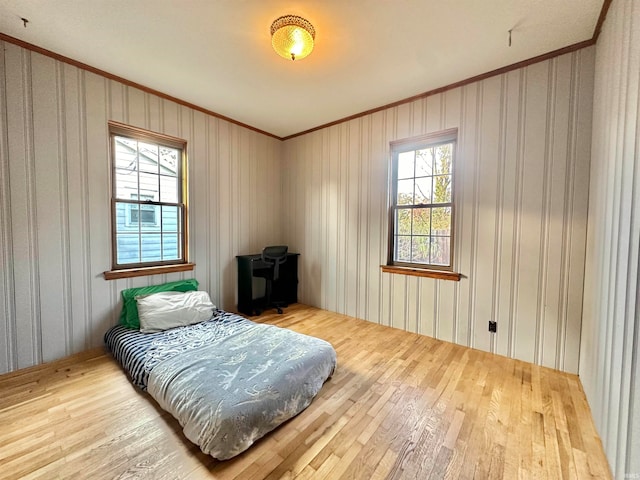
<point x="400" y="405"/>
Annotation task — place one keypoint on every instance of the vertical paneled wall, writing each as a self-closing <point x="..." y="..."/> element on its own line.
<point x="611" y="328"/>
<point x="521" y="193"/>
<point x="55" y="202"/>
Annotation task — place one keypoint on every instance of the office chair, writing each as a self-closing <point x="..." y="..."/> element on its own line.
<point x="273" y="256"/>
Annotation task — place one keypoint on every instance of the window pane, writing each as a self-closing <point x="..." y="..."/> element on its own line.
<point x="149" y="218"/>
<point x="405" y="192"/>
<point x="129" y="144"/>
<point x="405" y="165"/>
<point x="168" y="189"/>
<point x="127" y="248"/>
<point x="420" y="249"/>
<point x="122" y="217"/>
<point x="423" y="190"/>
<point x="441" y="221"/>
<point x="170" y="219"/>
<point x="403" y="222"/>
<point x="440" y="250"/>
<point x="421" y="221"/>
<point x="424" y="163"/>
<point x="148" y="214"/>
<point x="171" y="246"/>
<point x="151" y="247"/>
<point x="134" y="217"/>
<point x="443" y="155"/>
<point x="403" y="248"/>
<point x="126" y="183"/>
<point x="148" y="157"/>
<point x="149" y="186"/>
<point x="126" y="154"/>
<point x="169" y="161"/>
<point x="442" y="189"/>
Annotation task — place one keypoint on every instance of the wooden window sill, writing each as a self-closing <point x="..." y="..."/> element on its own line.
<point x="422" y="272"/>
<point x="142" y="271"/>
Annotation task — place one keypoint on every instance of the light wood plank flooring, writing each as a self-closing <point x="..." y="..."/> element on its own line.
<point x="400" y="405"/>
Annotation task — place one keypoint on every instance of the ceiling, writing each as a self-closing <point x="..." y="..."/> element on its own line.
<point x="217" y="54"/>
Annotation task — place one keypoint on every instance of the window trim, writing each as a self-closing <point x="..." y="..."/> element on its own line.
<point x="416" y="143"/>
<point x="164" y="266"/>
<point x="422" y="272"/>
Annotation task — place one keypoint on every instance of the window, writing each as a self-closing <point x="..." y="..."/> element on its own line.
<point x="421" y="203"/>
<point x="148" y="200"/>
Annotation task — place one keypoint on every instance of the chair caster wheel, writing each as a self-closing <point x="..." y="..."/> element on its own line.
<point x="279" y="310"/>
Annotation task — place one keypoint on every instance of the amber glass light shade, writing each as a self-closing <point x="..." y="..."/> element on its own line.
<point x="292" y="37"/>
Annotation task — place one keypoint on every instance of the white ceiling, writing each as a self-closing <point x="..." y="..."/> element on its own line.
<point x="217" y="53"/>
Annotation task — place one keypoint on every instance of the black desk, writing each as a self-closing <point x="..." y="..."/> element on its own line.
<point x="251" y="289"/>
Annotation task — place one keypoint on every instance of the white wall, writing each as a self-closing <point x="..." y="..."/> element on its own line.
<point x="55" y="202"/>
<point x="610" y="331"/>
<point x="521" y="206"/>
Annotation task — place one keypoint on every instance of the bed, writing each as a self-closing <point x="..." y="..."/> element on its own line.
<point x="228" y="381"/>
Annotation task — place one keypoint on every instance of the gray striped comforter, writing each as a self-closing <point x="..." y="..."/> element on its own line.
<point x="228" y="381"/>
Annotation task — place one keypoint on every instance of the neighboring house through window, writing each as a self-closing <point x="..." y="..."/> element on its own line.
<point x="148" y="202"/>
<point x="144" y="213"/>
<point x="422" y="202"/>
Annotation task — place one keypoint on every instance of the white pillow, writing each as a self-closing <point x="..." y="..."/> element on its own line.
<point x="164" y="310"/>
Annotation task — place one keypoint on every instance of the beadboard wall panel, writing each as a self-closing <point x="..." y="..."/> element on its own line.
<point x="7" y="299"/>
<point x="611" y="326"/>
<point x="55" y="194"/>
<point x="521" y="193"/>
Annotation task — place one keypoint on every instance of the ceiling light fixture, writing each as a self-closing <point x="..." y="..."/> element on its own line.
<point x="292" y="37"/>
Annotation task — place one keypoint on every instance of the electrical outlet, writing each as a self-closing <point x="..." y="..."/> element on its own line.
<point x="493" y="326"/>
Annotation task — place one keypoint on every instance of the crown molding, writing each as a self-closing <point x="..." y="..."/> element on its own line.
<point x="483" y="76"/>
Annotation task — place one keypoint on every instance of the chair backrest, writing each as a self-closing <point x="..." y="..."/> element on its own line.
<point x="275" y="255"/>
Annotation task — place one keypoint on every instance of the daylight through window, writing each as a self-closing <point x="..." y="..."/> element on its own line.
<point x="421" y="204"/>
<point x="148" y="198"/>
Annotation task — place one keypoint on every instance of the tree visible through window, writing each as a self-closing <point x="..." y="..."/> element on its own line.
<point x="421" y="205"/>
<point x="148" y="198"/>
